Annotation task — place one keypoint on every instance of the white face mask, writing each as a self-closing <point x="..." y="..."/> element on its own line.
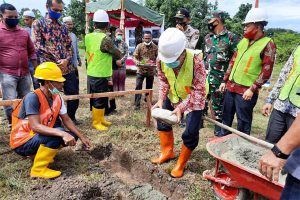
<point x="148" y="43"/>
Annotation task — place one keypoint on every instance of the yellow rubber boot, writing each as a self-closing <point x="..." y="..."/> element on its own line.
<point x="167" y="146"/>
<point x="185" y="155"/>
<point x="96" y="122"/>
<point x="102" y="119"/>
<point x="43" y="157"/>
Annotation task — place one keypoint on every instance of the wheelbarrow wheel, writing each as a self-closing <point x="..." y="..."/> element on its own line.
<point x="230" y="193"/>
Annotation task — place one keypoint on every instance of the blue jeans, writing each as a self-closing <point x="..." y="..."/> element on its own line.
<point x="31" y="147"/>
<point x="35" y="82"/>
<point x="71" y="87"/>
<point x="190" y="136"/>
<point x="234" y="103"/>
<point x="14" y="87"/>
<point x="291" y="190"/>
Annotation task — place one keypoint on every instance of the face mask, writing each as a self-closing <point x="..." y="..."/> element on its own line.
<point x="211" y="26"/>
<point x="173" y="64"/>
<point x="148" y="43"/>
<point x="53" y="91"/>
<point x="119" y="37"/>
<point x="53" y="14"/>
<point x="12" y="23"/>
<point x="250" y="34"/>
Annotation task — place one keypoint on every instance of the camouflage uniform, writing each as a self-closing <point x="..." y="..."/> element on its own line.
<point x="192" y="36"/>
<point x="218" y="51"/>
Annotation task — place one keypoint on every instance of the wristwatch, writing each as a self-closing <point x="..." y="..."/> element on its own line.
<point x="277" y="152"/>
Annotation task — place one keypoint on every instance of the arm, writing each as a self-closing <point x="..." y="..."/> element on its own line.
<point x="136" y="55"/>
<point x="268" y="60"/>
<point x="107" y="46"/>
<point x="125" y="48"/>
<point x="230" y="66"/>
<point x="281" y="80"/>
<point x="163" y="83"/>
<point x="77" y="51"/>
<point x="197" y="94"/>
<point x="269" y="164"/>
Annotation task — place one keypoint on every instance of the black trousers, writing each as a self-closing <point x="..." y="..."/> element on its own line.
<point x="190" y="135"/>
<point x="278" y="125"/>
<point x="139" y="85"/>
<point x="98" y="85"/>
<point x="71" y="87"/>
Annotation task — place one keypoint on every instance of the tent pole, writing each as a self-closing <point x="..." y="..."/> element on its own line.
<point x="86" y="18"/>
<point x="256" y="3"/>
<point x="122" y="19"/>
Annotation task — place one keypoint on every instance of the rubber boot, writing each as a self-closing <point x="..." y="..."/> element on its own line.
<point x="167" y="146"/>
<point x="102" y="119"/>
<point x="185" y="155"/>
<point x="43" y="157"/>
<point x="96" y="119"/>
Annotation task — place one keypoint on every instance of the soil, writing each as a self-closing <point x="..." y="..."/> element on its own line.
<point x="123" y="176"/>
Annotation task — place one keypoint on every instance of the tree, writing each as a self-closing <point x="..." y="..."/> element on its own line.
<point x="76" y="9"/>
<point x="35" y="11"/>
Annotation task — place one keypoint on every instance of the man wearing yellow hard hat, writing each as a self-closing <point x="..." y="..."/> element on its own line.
<point x="37" y="119"/>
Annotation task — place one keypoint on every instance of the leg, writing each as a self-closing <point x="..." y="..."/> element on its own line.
<point x="217" y="99"/>
<point x="24" y="86"/>
<point x="228" y="111"/>
<point x="115" y="80"/>
<point x="277" y="126"/>
<point x="139" y="86"/>
<point x="291" y="189"/>
<point x="71" y="87"/>
<point x="122" y="78"/>
<point x="35" y="83"/>
<point x="166" y="139"/>
<point x="9" y="91"/>
<point x="190" y="139"/>
<point x="244" y="112"/>
<point x="149" y="82"/>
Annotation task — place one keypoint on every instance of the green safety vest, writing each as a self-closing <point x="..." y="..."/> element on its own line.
<point x="180" y="87"/>
<point x="248" y="64"/>
<point x="291" y="86"/>
<point x="99" y="64"/>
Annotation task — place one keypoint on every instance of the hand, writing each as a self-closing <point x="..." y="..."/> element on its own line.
<point x="159" y="104"/>
<point x="247" y="96"/>
<point x="79" y="63"/>
<point x="266" y="109"/>
<point x="86" y="142"/>
<point x="222" y="87"/>
<point x="270" y="165"/>
<point x="69" y="139"/>
<point x="179" y="27"/>
<point x="177" y="112"/>
<point x="119" y="63"/>
<point x="63" y="63"/>
<point x="110" y="83"/>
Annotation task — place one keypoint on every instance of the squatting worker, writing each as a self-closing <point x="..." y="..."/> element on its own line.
<point x="181" y="75"/>
<point x="36" y="122"/>
<point x="100" y="50"/>
<point x="250" y="67"/>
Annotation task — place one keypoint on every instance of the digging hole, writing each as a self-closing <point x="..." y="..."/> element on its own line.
<point x="102" y="152"/>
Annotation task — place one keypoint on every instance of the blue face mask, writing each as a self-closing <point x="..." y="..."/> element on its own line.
<point x="53" y="14"/>
<point x="12" y="23"/>
<point x="54" y="91"/>
<point x="173" y="64"/>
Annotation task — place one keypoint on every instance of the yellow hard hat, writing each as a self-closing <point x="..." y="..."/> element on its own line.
<point x="49" y="71"/>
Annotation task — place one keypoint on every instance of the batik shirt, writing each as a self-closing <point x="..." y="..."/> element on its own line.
<point x="283" y="106"/>
<point x="218" y="51"/>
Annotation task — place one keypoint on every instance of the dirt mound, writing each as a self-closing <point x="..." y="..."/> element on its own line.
<point x="117" y="174"/>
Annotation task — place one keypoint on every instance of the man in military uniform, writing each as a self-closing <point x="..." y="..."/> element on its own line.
<point x="220" y="45"/>
<point x="183" y="19"/>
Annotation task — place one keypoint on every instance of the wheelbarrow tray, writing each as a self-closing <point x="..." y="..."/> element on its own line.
<point x="246" y="177"/>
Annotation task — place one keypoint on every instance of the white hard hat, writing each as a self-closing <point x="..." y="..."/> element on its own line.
<point x="67" y="19"/>
<point x="171" y="44"/>
<point x="101" y="16"/>
<point x="29" y="13"/>
<point x="256" y="15"/>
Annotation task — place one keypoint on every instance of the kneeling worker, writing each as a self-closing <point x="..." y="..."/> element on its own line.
<point x="36" y="127"/>
<point x="181" y="75"/>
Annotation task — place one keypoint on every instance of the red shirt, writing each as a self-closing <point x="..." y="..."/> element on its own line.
<point x="15" y="49"/>
<point x="268" y="59"/>
<point x="196" y="99"/>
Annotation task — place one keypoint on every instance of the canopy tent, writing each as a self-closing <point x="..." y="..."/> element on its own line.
<point x="126" y="12"/>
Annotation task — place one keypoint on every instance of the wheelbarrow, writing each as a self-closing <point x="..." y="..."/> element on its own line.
<point x="236" y="175"/>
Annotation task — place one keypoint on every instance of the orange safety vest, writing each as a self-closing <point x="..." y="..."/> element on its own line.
<point x="21" y="131"/>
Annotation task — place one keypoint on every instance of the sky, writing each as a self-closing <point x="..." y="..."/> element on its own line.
<point x="282" y="14"/>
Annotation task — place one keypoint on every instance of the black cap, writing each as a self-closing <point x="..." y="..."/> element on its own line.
<point x="182" y="13"/>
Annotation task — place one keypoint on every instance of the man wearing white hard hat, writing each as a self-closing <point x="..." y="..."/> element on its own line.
<point x="100" y="50"/>
<point x="250" y="67"/>
<point x="181" y="75"/>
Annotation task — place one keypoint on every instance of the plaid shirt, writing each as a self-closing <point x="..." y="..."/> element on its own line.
<point x="196" y="99"/>
<point x="268" y="59"/>
<point x="52" y="42"/>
